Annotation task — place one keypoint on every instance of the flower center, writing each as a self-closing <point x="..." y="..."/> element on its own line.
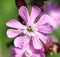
<point x="28" y="53"/>
<point x="30" y="29"/>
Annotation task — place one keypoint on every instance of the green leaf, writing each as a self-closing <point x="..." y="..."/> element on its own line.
<point x="57" y="55"/>
<point x="8" y="11"/>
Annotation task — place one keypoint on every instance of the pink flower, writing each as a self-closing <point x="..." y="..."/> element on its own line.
<point x="35" y="31"/>
<point x="27" y="52"/>
<point x="54" y="39"/>
<point x="53" y="9"/>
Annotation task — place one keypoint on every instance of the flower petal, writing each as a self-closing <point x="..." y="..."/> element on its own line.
<point x="38" y="55"/>
<point x="16" y="50"/>
<point x="15" y="24"/>
<point x="45" y="29"/>
<point x="21" y="41"/>
<point x="36" y="43"/>
<point x="42" y="37"/>
<point x="18" y="55"/>
<point x="56" y="16"/>
<point x="53" y="11"/>
<point x="13" y="33"/>
<point x="34" y="13"/>
<point x="23" y="12"/>
<point x="35" y="55"/>
<point x="42" y="55"/>
<point x="46" y="19"/>
<point x="54" y="39"/>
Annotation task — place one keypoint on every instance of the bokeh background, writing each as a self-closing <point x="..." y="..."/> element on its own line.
<point x="8" y="10"/>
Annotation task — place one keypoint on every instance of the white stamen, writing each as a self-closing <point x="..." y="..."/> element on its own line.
<point x="28" y="53"/>
<point x="30" y="33"/>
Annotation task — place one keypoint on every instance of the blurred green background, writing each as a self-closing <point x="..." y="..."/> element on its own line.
<point x="8" y="10"/>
